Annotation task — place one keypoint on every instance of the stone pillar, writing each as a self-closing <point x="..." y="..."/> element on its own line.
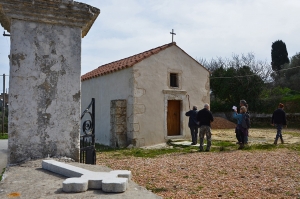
<point x="118" y="127"/>
<point x="45" y="67"/>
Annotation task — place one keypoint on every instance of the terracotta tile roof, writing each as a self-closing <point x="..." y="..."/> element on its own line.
<point x="123" y="63"/>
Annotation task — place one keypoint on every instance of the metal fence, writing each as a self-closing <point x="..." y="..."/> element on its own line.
<point x="87" y="139"/>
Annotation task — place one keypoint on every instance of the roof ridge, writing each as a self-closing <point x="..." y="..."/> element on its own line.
<point x="137" y="54"/>
<point x="123" y="63"/>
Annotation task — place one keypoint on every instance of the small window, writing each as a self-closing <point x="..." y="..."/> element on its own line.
<point x="173" y="80"/>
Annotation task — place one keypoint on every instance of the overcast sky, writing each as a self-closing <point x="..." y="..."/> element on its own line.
<point x="204" y="29"/>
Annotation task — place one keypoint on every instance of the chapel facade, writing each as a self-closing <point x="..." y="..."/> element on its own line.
<point x="142" y="99"/>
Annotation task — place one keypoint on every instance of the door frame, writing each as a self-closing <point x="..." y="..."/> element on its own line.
<point x="174" y="95"/>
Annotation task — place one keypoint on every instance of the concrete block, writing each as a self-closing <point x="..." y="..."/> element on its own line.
<point x="114" y="185"/>
<point x="75" y="185"/>
<point x="122" y="173"/>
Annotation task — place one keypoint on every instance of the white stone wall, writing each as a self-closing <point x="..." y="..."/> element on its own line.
<point x="152" y="91"/>
<point x="114" y="86"/>
<point x="145" y="87"/>
<point x="44" y="97"/>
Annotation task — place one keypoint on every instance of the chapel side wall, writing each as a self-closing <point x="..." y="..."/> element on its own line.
<point x="113" y="86"/>
<point x="44" y="97"/>
<point x="151" y="92"/>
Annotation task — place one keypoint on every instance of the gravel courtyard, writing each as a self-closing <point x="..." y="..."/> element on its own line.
<point x="219" y="174"/>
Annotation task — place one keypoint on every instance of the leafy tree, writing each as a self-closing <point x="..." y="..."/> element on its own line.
<point x="279" y="55"/>
<point x="236" y="79"/>
<point x="289" y="76"/>
<point x="293" y="74"/>
<point x="242" y="84"/>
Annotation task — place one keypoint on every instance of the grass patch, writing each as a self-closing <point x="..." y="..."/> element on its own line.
<point x="223" y="143"/>
<point x="261" y="147"/>
<point x="3" y="136"/>
<point x="3" y="170"/>
<point x="217" y="146"/>
<point x="150" y="153"/>
<point x="294" y="147"/>
<point x="223" y="146"/>
<point x="143" y="153"/>
<point x="101" y="147"/>
<point x="159" y="189"/>
<point x="294" y="134"/>
<point x="156" y="189"/>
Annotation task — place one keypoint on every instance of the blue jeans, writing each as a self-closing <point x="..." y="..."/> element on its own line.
<point x="279" y="128"/>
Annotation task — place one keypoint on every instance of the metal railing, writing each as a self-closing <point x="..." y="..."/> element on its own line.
<point x="87" y="139"/>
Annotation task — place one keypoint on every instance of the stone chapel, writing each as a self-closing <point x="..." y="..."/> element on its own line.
<point x="142" y="99"/>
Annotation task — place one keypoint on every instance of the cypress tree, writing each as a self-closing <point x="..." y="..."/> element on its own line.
<point x="279" y="55"/>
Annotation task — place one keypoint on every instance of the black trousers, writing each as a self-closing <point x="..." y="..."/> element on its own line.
<point x="240" y="136"/>
<point x="194" y="133"/>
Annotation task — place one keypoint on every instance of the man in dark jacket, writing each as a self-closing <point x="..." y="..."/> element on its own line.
<point x="205" y="117"/>
<point x="193" y="124"/>
<point x="279" y="120"/>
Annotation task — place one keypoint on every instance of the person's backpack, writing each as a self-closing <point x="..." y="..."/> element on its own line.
<point x="246" y="121"/>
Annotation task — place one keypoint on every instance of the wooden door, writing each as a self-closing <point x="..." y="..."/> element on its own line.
<point x="173" y="117"/>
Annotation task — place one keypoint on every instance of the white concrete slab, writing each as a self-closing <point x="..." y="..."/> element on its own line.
<point x="81" y="179"/>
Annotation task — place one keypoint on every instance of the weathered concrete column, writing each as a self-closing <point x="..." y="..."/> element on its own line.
<point x="45" y="66"/>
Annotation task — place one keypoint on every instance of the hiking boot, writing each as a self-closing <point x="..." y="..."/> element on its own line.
<point x="275" y="142"/>
<point x="241" y="146"/>
<point x="282" y="142"/>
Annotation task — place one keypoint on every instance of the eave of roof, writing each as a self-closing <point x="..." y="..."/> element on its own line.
<point x="128" y="62"/>
<point x="123" y="63"/>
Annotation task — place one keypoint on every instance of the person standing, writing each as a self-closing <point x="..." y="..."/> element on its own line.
<point x="244" y="103"/>
<point x="241" y="131"/>
<point x="204" y="118"/>
<point x="193" y="124"/>
<point x="279" y="120"/>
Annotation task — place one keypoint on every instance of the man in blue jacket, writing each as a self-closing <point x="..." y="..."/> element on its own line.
<point x="193" y="124"/>
<point x="279" y="120"/>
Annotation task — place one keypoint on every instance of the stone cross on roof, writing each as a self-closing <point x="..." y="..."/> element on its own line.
<point x="172" y="33"/>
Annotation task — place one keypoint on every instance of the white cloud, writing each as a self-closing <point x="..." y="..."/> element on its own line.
<point x="204" y="28"/>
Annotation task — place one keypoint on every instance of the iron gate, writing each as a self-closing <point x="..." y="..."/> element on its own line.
<point x="87" y="139"/>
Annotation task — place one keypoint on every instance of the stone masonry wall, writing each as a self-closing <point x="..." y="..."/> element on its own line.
<point x="118" y="123"/>
<point x="44" y="97"/>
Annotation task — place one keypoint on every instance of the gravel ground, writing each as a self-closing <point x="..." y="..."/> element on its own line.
<point x="234" y="174"/>
<point x="226" y="174"/>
